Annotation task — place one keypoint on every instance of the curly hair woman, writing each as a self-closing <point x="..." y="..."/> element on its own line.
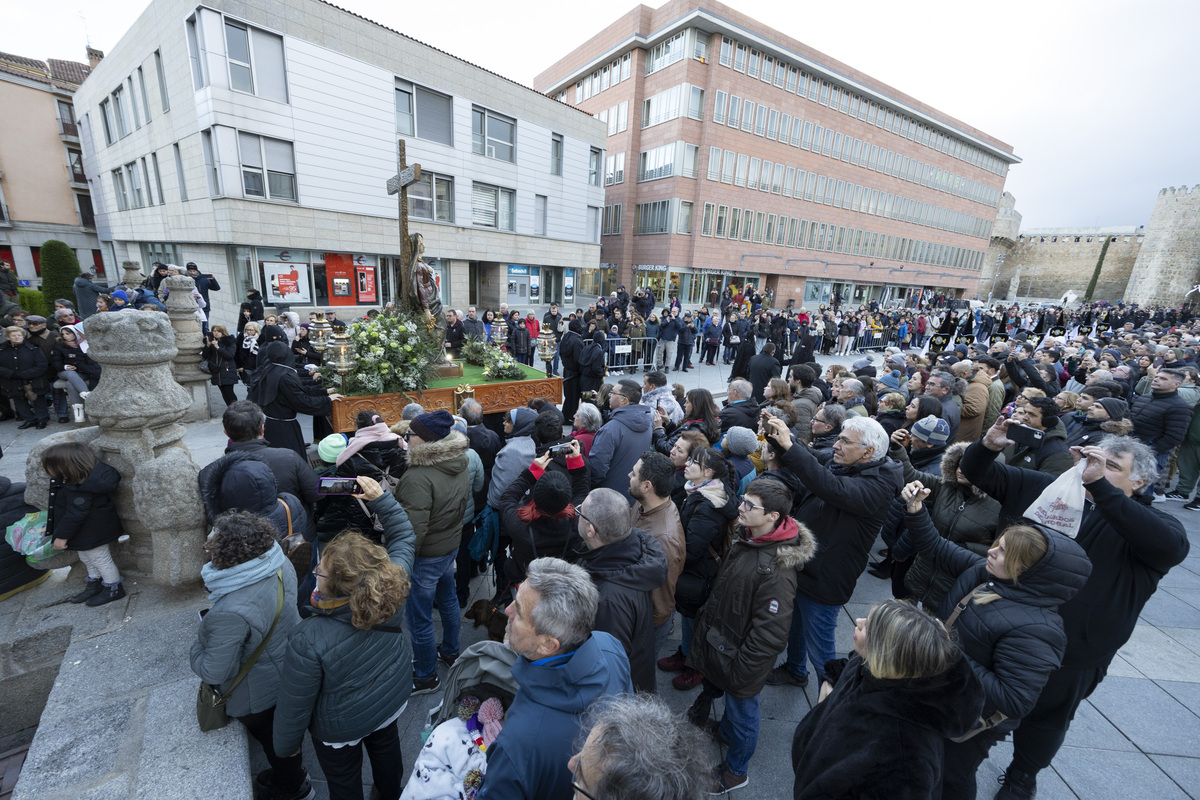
<point x="349" y="665"/>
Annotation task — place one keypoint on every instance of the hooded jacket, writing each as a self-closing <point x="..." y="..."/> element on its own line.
<point x="744" y="624"/>
<point x="434" y="490"/>
<point x="618" y="445"/>
<point x="974" y="408"/>
<point x="529" y="757"/>
<point x="514" y="456"/>
<point x="85" y="514"/>
<point x="879" y="738"/>
<point x="664" y="397"/>
<point x="1017" y="640"/>
<point x="1089" y="431"/>
<point x="626" y="572"/>
<point x="240" y="480"/>
<point x="1052" y="458"/>
<point x="706" y="515"/>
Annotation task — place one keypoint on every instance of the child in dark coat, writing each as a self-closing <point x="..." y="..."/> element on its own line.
<point x="82" y="517"/>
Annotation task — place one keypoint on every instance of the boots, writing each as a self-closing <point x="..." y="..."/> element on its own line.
<point x="107" y="594"/>
<point x="91" y="590"/>
<point x="701" y="709"/>
<point x="1016" y="785"/>
<point x="673" y="662"/>
<point x="688" y="679"/>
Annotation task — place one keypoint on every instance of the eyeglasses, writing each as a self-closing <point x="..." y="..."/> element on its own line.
<point x="746" y="504"/>
<point x="316" y="574"/>
<point x="575" y="783"/>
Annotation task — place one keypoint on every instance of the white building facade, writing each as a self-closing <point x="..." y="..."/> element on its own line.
<point x="256" y="138"/>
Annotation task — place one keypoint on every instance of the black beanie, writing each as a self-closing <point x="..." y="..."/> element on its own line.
<point x="432" y="426"/>
<point x="552" y="492"/>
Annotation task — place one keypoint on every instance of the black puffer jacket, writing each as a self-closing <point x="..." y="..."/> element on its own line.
<point x="21" y="364"/>
<point x="664" y="439"/>
<point x="876" y="738"/>
<point x="845" y="507"/>
<point x="239" y="480"/>
<point x="85" y="515"/>
<point x="335" y="513"/>
<point x="1160" y="419"/>
<point x="63" y="356"/>
<point x="1053" y="457"/>
<point x="1017" y="640"/>
<point x="544" y="535"/>
<point x="706" y="519"/>
<point x="626" y="572"/>
<point x="1089" y="431"/>
<point x="742" y="414"/>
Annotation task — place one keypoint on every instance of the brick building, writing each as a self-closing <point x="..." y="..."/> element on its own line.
<point x="738" y="154"/>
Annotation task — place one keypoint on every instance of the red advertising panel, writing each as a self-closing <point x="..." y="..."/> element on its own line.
<point x="366" y="285"/>
<point x="339" y="272"/>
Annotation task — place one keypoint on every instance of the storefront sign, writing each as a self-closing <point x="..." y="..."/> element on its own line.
<point x="513" y="269"/>
<point x="534" y="291"/>
<point x="568" y="286"/>
<point x="287" y="283"/>
<point x="366" y="284"/>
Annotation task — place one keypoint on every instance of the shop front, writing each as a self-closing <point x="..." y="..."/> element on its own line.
<point x="699" y="286"/>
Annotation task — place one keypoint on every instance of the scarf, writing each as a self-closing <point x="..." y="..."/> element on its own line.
<point x="530" y="512"/>
<point x="376" y="432"/>
<point x="221" y="582"/>
<point x="320" y="601"/>
<point x="250" y="343"/>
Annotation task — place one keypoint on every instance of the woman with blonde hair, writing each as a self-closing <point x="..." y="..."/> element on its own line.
<point x="348" y="670"/>
<point x="904" y="690"/>
<point x="1004" y="610"/>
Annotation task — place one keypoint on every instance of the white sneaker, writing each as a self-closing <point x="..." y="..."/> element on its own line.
<point x="1159" y="498"/>
<point x="84" y="395"/>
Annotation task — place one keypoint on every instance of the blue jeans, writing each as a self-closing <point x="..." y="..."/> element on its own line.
<point x="811" y="636"/>
<point x="432" y="577"/>
<point x="687" y="628"/>
<point x="740" y="726"/>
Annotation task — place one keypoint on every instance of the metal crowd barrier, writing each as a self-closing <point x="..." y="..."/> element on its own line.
<point x="628" y="353"/>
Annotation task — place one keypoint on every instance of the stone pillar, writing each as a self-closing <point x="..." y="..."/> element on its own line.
<point x="132" y="274"/>
<point x="138" y="405"/>
<point x="189" y="341"/>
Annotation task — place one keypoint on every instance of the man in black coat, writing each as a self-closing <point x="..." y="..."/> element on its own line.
<point x="1131" y="546"/>
<point x="940" y="387"/>
<point x="569" y="347"/>
<point x="763" y="367"/>
<point x="626" y="564"/>
<point x="740" y="410"/>
<point x="204" y="284"/>
<point x="1161" y="418"/>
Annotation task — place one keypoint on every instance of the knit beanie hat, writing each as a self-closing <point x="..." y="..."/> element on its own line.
<point x="891" y="380"/>
<point x="432" y="426"/>
<point x="552" y="492"/>
<point x="897" y="360"/>
<point x="1115" y="406"/>
<point x="331" y="446"/>
<point x="741" y="441"/>
<point x="864" y="362"/>
<point x="931" y="430"/>
<point x="121" y="294"/>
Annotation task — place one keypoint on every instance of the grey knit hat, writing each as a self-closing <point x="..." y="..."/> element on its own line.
<point x="931" y="430"/>
<point x="741" y="441"/>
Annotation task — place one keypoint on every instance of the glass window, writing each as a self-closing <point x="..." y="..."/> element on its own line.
<point x="666" y="53"/>
<point x="179" y="173"/>
<point x="739" y="58"/>
<point x="753" y="64"/>
<point x="722" y="99"/>
<point x="788" y="180"/>
<point x="492" y="206"/>
<point x="726" y="58"/>
<point x="684" y="221"/>
<point x="781" y="71"/>
<point x="435" y="116"/>
<point x="743" y="166"/>
<point x="727" y="165"/>
<point x="432" y="198"/>
<point x="593" y="167"/>
<point x="495" y="136"/>
<point x="556" y="153"/>
<point x="752" y="177"/>
<point x="654" y="217"/>
<point x="748" y="116"/>
<point x="199" y="78"/>
<point x="735" y="219"/>
<point x="764" y="182"/>
<point x="747" y="224"/>
<point x="237" y="43"/>
<point x="735" y="111"/>
<point x="722" y="221"/>
<point x="768" y="69"/>
<point x="118" y="179"/>
<point x="404" y="110"/>
<point x="714" y="163"/>
<point x="268" y="167"/>
<point x="760" y="121"/>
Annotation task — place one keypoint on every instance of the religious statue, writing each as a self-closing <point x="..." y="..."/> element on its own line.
<point x="424" y="289"/>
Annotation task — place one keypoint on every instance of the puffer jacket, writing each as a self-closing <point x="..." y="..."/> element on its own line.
<point x="434" y="490"/>
<point x="845" y="507"/>
<point x="21" y="364"/>
<point x="1052" y="458"/>
<point x="874" y="737"/>
<point x="744" y="624"/>
<point x="706" y="514"/>
<point x="665" y="438"/>
<point x="961" y="514"/>
<point x="974" y="408"/>
<point x="1017" y="640"/>
<point x="63" y="355"/>
<point x="231" y="631"/>
<point x="1089" y="431"/>
<point x="514" y="456"/>
<point x="618" y="445"/>
<point x="806" y="404"/>
<point x="342" y="682"/>
<point x="545" y="535"/>
<point x="85" y="514"/>
<point x="626" y="572"/>
<point x="239" y="480"/>
<point x="1160" y="419"/>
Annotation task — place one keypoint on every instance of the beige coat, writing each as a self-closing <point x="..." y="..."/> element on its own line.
<point x="975" y="403"/>
<point x="662" y="522"/>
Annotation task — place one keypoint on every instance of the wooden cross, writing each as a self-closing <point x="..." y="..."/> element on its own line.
<point x="398" y="184"/>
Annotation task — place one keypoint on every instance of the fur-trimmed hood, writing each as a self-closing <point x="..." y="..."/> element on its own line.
<point x="797" y="543"/>
<point x="951" y="458"/>
<point x="1120" y="427"/>
<point x="430" y="454"/>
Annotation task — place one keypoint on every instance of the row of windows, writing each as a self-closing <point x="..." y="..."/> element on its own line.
<point x="128" y="105"/>
<point x="740" y="169"/>
<point x="742" y="58"/>
<point x="612" y="220"/>
<point x="760" y="120"/>
<point x="600" y="80"/>
<point x="617" y="118"/>
<point x="678" y="101"/>
<point x="674" y="158"/>
<point x="133" y="185"/>
<point x="254" y="58"/>
<point x="725" y="222"/>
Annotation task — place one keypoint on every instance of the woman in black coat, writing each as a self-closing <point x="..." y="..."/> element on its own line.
<point x="538" y="511"/>
<point x="880" y="732"/>
<point x="71" y="363"/>
<point x="220" y="351"/>
<point x="280" y="393"/>
<point x="246" y="353"/>
<point x="23" y="364"/>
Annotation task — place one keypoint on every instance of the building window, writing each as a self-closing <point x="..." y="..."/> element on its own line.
<point x="495" y="136"/>
<point x="87" y="217"/>
<point x="106" y="118"/>
<point x="654" y="217"/>
<point x="179" y="173"/>
<point x="726" y="58"/>
<point x="492" y="207"/>
<point x="706" y="221"/>
<point x="612" y="220"/>
<point x="195" y="38"/>
<point x="120" y="112"/>
<point x="666" y="53"/>
<point x="432" y="198"/>
<point x="275" y="157"/>
<point x="162" y="82"/>
<point x="146" y="182"/>
<point x="118" y="179"/>
<point x="556" y="153"/>
<point x="134" y="182"/>
<point x="714" y="163"/>
<point x="684" y="218"/>
<point x="157" y="179"/>
<point x="722" y="221"/>
<point x="424" y="114"/>
<point x="75" y="164"/>
<point x="256" y="64"/>
<point x="539" y="215"/>
<point x="145" y="97"/>
<point x="593" y="224"/>
<point x="594" y="167"/>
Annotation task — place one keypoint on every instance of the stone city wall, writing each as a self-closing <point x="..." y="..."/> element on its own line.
<point x="1049" y="262"/>
<point x="1168" y="265"/>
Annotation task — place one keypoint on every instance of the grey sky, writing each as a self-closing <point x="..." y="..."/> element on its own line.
<point x="1098" y="98"/>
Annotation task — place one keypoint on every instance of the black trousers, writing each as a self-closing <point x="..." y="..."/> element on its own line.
<point x="1037" y="740"/>
<point x="227" y="394"/>
<point x="464" y="566"/>
<point x="343" y="765"/>
<point x="962" y="761"/>
<point x="570" y="395"/>
<point x="683" y="356"/>
<point x="287" y="772"/>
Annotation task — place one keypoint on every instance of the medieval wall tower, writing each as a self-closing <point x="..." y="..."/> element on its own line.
<point x="1168" y="265"/>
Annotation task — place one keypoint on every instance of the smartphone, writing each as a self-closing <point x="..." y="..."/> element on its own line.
<point x="1025" y="435"/>
<point x="201" y="613"/>
<point x="338" y="486"/>
<point x="561" y="449"/>
<point x="1158" y="362"/>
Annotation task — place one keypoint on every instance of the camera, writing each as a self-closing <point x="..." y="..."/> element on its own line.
<point x="343" y="486"/>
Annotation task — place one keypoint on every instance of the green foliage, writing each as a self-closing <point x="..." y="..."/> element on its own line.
<point x="32" y="301"/>
<point x="60" y="268"/>
<point x="477" y="352"/>
<point x="1087" y="296"/>
<point x="502" y="367"/>
<point x="394" y="352"/>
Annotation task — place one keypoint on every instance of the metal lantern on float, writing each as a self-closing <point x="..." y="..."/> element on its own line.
<point x="547" y="346"/>
<point x="499" y="332"/>
<point x="339" y="352"/>
<point x="319" y="332"/>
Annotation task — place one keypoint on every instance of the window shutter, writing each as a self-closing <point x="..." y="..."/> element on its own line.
<point x="248" y="147"/>
<point x="483" y="205"/>
<point x="279" y="156"/>
<point x="269" y="65"/>
<point x="434" y="116"/>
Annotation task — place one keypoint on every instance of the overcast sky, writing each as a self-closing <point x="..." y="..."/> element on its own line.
<point x="1098" y="98"/>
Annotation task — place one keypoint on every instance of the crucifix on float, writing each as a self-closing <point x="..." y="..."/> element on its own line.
<point x="398" y="184"/>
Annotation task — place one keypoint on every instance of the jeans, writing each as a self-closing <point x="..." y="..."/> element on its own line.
<point x="75" y="385"/>
<point x="343" y="765"/>
<point x="728" y="354"/>
<point x="432" y="577"/>
<point x="739" y="725"/>
<point x="555" y="364"/>
<point x="661" y="632"/>
<point x="811" y="636"/>
<point x="1164" y="474"/>
<point x="99" y="563"/>
<point x="287" y="772"/>
<point x="665" y="356"/>
<point x="686" y="629"/>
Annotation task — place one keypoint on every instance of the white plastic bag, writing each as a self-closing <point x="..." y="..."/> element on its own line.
<point x="1060" y="505"/>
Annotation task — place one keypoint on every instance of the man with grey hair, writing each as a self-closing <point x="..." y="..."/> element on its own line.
<point x="639" y="749"/>
<point x="562" y="667"/>
<point x="1131" y="545"/>
<point x="740" y="410"/>
<point x="940" y="387"/>
<point x="850" y="396"/>
<point x="626" y="564"/>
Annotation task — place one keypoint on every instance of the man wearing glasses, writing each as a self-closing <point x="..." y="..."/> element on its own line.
<point x="562" y="667"/>
<point x="622" y="440"/>
<point x="744" y="623"/>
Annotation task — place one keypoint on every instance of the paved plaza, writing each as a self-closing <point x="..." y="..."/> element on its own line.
<point x="1137" y="737"/>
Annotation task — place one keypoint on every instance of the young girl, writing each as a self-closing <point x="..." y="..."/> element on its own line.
<point x="82" y="517"/>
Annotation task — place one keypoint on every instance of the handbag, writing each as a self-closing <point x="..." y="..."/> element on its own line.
<point x="28" y="537"/>
<point x="210" y="703"/>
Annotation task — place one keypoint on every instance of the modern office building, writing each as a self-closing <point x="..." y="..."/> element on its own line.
<point x="737" y="154"/>
<point x="43" y="191"/>
<point x="256" y="138"/>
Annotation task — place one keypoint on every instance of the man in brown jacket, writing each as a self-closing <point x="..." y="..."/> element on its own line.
<point x="650" y="483"/>
<point x="975" y="400"/>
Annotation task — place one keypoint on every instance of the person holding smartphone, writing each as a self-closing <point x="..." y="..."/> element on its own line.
<point x="1040" y="441"/>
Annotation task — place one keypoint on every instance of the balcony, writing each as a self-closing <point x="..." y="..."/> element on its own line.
<point x="68" y="132"/>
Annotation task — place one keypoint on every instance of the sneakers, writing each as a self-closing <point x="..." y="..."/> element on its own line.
<point x="1176" y="496"/>
<point x="107" y="594"/>
<point x="84" y="395"/>
<point x="447" y="658"/>
<point x="673" y="662"/>
<point x="1193" y="506"/>
<point x="1016" y="785"/>
<point x="724" y="781"/>
<point x="783" y="676"/>
<point x="1159" y="498"/>
<point x="425" y="686"/>
<point x="91" y="590"/>
<point x="688" y="679"/>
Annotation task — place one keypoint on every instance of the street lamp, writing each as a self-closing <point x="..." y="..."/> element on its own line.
<point x="547" y="346"/>
<point x="319" y="332"/>
<point x="340" y="352"/>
